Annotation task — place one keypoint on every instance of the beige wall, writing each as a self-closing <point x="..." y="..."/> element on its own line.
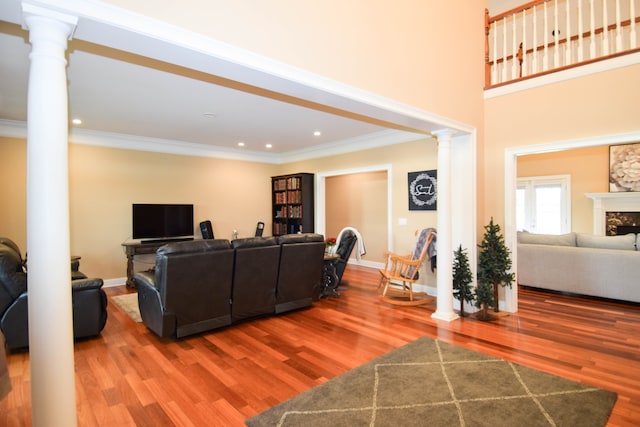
<point x="360" y="201"/>
<point x="13" y="191"/>
<point x="104" y="182"/>
<point x="428" y="54"/>
<point x="588" y="168"/>
<point x="586" y="107"/>
<point x="403" y="158"/>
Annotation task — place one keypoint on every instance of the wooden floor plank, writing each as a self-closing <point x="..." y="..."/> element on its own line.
<point x="129" y="376"/>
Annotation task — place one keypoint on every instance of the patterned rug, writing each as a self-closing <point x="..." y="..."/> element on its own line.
<point x="432" y="383"/>
<point x="129" y="304"/>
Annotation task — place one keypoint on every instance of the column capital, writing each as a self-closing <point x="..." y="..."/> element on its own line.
<point x="444" y="135"/>
<point x="31" y="11"/>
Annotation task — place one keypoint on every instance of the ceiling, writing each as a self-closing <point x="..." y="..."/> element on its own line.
<point x="133" y="96"/>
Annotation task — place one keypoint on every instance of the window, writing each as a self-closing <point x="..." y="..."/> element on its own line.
<point x="543" y="204"/>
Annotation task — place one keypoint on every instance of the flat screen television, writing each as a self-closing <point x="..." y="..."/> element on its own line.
<point x="162" y="221"/>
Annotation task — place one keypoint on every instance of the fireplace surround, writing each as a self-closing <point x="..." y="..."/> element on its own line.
<point x="615" y="213"/>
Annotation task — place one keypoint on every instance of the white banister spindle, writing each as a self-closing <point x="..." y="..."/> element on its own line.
<point x="534" y="60"/>
<point x="632" y="35"/>
<point x="514" y="49"/>
<point x="592" y="18"/>
<point x="605" y="30"/>
<point x="618" y="27"/>
<point x="545" y="50"/>
<point x="556" y="31"/>
<point x="523" y="67"/>
<point x="567" y="48"/>
<point x="504" y="49"/>
<point x="494" y="71"/>
<point x="580" y="29"/>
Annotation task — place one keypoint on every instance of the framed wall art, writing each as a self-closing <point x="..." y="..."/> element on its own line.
<point x="624" y="167"/>
<point x="423" y="190"/>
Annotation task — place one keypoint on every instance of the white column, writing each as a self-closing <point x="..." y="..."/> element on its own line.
<point x="50" y="311"/>
<point x="444" y="309"/>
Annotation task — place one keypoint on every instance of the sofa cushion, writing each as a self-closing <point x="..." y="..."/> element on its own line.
<point x="191" y="246"/>
<point x="568" y="239"/>
<point x="300" y="238"/>
<point x="638" y="242"/>
<point x="254" y="242"/>
<point x="625" y="242"/>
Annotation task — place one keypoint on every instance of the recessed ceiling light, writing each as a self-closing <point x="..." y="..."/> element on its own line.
<point x="268" y="145"/>
<point x="240" y="144"/>
<point x="76" y="121"/>
<point x="317" y="133"/>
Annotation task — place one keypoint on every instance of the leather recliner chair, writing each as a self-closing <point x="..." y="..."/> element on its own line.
<point x="347" y="242"/>
<point x="89" y="300"/>
<point x="301" y="263"/>
<point x="189" y="290"/>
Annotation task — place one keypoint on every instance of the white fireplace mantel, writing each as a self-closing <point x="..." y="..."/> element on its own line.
<point x="611" y="202"/>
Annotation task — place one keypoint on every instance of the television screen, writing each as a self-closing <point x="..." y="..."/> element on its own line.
<point x="161" y="221"/>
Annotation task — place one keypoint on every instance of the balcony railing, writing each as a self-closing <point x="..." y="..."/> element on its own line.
<point x="544" y="36"/>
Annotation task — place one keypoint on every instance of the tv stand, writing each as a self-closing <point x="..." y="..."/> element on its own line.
<point x="165" y="241"/>
<point x="144" y="247"/>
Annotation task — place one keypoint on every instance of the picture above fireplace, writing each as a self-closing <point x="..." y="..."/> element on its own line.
<point x="624" y="167"/>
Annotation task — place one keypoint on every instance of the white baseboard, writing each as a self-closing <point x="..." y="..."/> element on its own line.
<point x="119" y="281"/>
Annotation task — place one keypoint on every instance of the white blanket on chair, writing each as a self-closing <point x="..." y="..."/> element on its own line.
<point x="360" y="249"/>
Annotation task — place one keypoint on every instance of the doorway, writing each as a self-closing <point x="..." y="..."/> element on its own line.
<point x="368" y="195"/>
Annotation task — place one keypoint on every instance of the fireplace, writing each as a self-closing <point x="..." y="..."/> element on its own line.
<point x="620" y="223"/>
<point x="615" y="213"/>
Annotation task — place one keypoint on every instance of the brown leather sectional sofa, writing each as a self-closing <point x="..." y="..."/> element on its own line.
<point x="201" y="285"/>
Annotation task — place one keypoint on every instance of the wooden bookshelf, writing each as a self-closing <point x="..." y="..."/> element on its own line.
<point x="292" y="201"/>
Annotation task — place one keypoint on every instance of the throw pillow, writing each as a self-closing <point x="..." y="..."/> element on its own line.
<point x="625" y="242"/>
<point x="568" y="239"/>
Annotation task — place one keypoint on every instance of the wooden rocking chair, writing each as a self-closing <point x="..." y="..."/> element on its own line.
<point x="401" y="272"/>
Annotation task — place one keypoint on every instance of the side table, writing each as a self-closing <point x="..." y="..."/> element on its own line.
<point x="136" y="248"/>
<point x="329" y="276"/>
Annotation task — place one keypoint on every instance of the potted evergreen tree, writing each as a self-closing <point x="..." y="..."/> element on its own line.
<point x="494" y="262"/>
<point x="484" y="300"/>
<point x="462" y="278"/>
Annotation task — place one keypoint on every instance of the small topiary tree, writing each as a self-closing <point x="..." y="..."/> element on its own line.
<point x="484" y="300"/>
<point x="462" y="278"/>
<point x="494" y="261"/>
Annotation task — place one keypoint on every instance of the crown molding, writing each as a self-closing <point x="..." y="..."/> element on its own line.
<point x="18" y="129"/>
<point x="350" y="145"/>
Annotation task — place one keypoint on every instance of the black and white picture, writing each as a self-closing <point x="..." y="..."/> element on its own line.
<point x="423" y="190"/>
<point x="624" y="167"/>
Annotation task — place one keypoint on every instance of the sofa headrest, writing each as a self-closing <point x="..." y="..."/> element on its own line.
<point x="8" y="242"/>
<point x="194" y="246"/>
<point x="300" y="238"/>
<point x="254" y="242"/>
<point x="568" y="239"/>
<point x="13" y="280"/>
<point x="624" y="242"/>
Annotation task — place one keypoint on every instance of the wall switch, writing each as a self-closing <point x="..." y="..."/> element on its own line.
<point x="402" y="222"/>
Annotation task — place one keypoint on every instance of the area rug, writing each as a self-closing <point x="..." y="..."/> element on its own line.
<point x="432" y="383"/>
<point x="129" y="304"/>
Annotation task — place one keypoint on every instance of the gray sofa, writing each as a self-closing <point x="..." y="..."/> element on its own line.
<point x="600" y="266"/>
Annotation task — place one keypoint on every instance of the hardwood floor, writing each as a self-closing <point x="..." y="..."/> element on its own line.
<point x="128" y="376"/>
